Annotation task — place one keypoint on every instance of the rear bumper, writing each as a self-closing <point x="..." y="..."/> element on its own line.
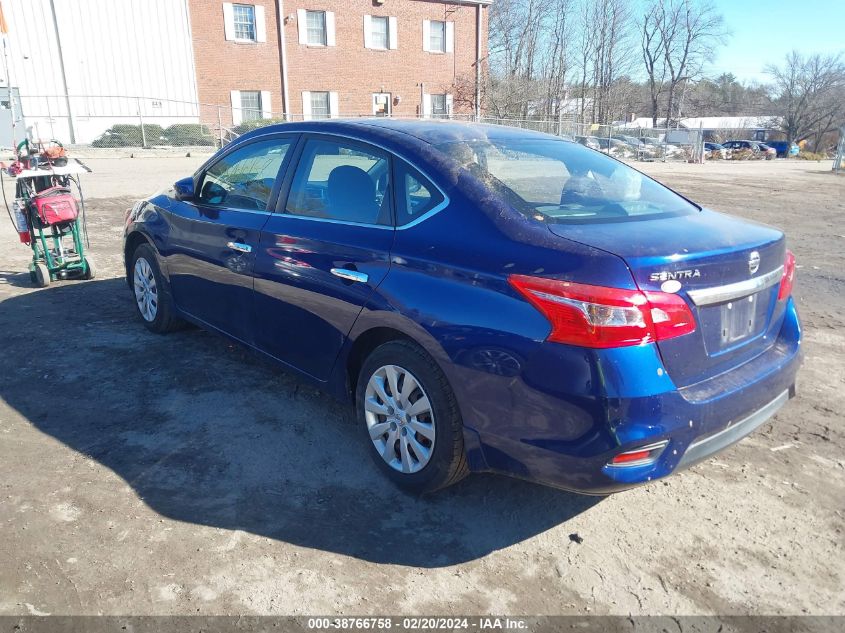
<point x="567" y="440"/>
<point x="704" y="447"/>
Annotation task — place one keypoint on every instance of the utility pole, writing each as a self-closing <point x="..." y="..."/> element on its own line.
<point x="62" y="70"/>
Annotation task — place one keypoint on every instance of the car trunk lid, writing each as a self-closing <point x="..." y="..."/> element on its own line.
<point x="728" y="270"/>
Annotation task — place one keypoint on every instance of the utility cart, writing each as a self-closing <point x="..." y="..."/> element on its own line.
<point x="47" y="217"/>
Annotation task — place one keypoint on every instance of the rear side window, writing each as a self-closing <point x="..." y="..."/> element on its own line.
<point x="416" y="196"/>
<point x="244" y="178"/>
<point x="337" y="180"/>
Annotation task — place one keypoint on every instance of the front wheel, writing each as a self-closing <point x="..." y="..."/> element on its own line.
<point x="152" y="295"/>
<point x="410" y="416"/>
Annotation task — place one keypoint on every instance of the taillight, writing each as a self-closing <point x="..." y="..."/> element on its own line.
<point x="598" y="316"/>
<point x="788" y="276"/>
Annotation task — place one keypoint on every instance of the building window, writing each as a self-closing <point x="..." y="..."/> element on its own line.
<point x="244" y="21"/>
<point x="380" y="32"/>
<point x="437" y="37"/>
<point x="320" y="108"/>
<point x="250" y="105"/>
<point x="316" y="22"/>
<point x="438" y="106"/>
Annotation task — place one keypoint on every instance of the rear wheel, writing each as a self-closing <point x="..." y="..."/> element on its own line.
<point x="411" y="419"/>
<point x="152" y="295"/>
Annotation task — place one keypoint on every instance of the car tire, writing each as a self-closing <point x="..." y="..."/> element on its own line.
<point x="409" y="424"/>
<point x="151" y="292"/>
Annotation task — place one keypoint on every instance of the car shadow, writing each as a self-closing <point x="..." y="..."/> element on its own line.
<point x="205" y="432"/>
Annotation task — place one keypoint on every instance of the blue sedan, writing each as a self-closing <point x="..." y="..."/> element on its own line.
<point x="486" y="298"/>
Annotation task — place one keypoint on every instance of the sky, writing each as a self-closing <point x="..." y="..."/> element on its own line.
<point x="764" y="31"/>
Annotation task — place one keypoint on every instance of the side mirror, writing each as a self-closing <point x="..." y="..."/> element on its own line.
<point x="184" y="189"/>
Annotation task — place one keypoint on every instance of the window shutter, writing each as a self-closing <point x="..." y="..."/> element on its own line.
<point x="306" y="105"/>
<point x="368" y="29"/>
<point x="334" y="105"/>
<point x="449" y="105"/>
<point x="260" y="24"/>
<point x="393" y="32"/>
<point x="450" y="37"/>
<point x="330" y="37"/>
<point x="426" y="35"/>
<point x="266" y="106"/>
<point x="302" y="26"/>
<point x="228" y="21"/>
<point x="426" y="106"/>
<point x="237" y="115"/>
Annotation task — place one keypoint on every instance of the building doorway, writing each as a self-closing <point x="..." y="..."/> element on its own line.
<point x="382" y="104"/>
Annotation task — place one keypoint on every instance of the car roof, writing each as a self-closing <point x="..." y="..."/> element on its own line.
<point x="433" y="131"/>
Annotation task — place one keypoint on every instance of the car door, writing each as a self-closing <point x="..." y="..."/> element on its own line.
<point x="211" y="247"/>
<point x="323" y="252"/>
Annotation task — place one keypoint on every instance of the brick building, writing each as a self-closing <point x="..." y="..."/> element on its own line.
<point x="329" y="58"/>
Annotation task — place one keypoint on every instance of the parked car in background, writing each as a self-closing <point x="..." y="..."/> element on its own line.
<point x="716" y="148"/>
<point x="487" y="298"/>
<point x="771" y="152"/>
<point x="744" y="150"/>
<point x="588" y="141"/>
<point x="617" y="148"/>
<point x="784" y="149"/>
<point x="633" y="141"/>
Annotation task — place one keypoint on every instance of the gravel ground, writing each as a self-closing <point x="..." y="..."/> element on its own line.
<point x="178" y="475"/>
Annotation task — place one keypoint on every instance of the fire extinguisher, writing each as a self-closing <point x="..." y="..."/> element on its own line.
<point x="19" y="218"/>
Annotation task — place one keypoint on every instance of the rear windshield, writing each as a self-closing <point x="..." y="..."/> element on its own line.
<point x="563" y="182"/>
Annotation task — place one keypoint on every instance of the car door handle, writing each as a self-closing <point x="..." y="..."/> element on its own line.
<point x="350" y="275"/>
<point x="240" y="247"/>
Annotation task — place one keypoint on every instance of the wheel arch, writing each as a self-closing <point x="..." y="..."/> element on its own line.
<point x="131" y="243"/>
<point x="374" y="328"/>
<point x="363" y="346"/>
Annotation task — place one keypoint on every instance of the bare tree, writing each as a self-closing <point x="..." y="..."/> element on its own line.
<point x="808" y="92"/>
<point x="651" y="42"/>
<point x="610" y="54"/>
<point x="516" y="42"/>
<point x="585" y="46"/>
<point x="690" y="31"/>
<point x="558" y="56"/>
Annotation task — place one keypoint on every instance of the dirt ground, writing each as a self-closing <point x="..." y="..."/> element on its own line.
<point x="142" y="474"/>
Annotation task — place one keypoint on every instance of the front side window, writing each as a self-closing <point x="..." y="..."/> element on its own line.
<point x="416" y="196"/>
<point x="244" y="178"/>
<point x="339" y="181"/>
<point x="250" y="105"/>
<point x="244" y="17"/>
<point x="562" y="182"/>
<point x="316" y="25"/>
<point x="320" y="105"/>
<point x="438" y="106"/>
<point x="379" y="32"/>
<point x="437" y="37"/>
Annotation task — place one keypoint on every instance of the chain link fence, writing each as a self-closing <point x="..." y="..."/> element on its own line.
<point x="99" y="121"/>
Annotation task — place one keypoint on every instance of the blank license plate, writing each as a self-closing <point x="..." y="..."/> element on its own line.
<point x="738" y="319"/>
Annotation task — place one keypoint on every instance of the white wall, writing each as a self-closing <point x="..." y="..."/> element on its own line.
<point x="114" y="48"/>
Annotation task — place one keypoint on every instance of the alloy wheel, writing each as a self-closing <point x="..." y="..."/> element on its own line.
<point x="146" y="291"/>
<point x="399" y="418"/>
